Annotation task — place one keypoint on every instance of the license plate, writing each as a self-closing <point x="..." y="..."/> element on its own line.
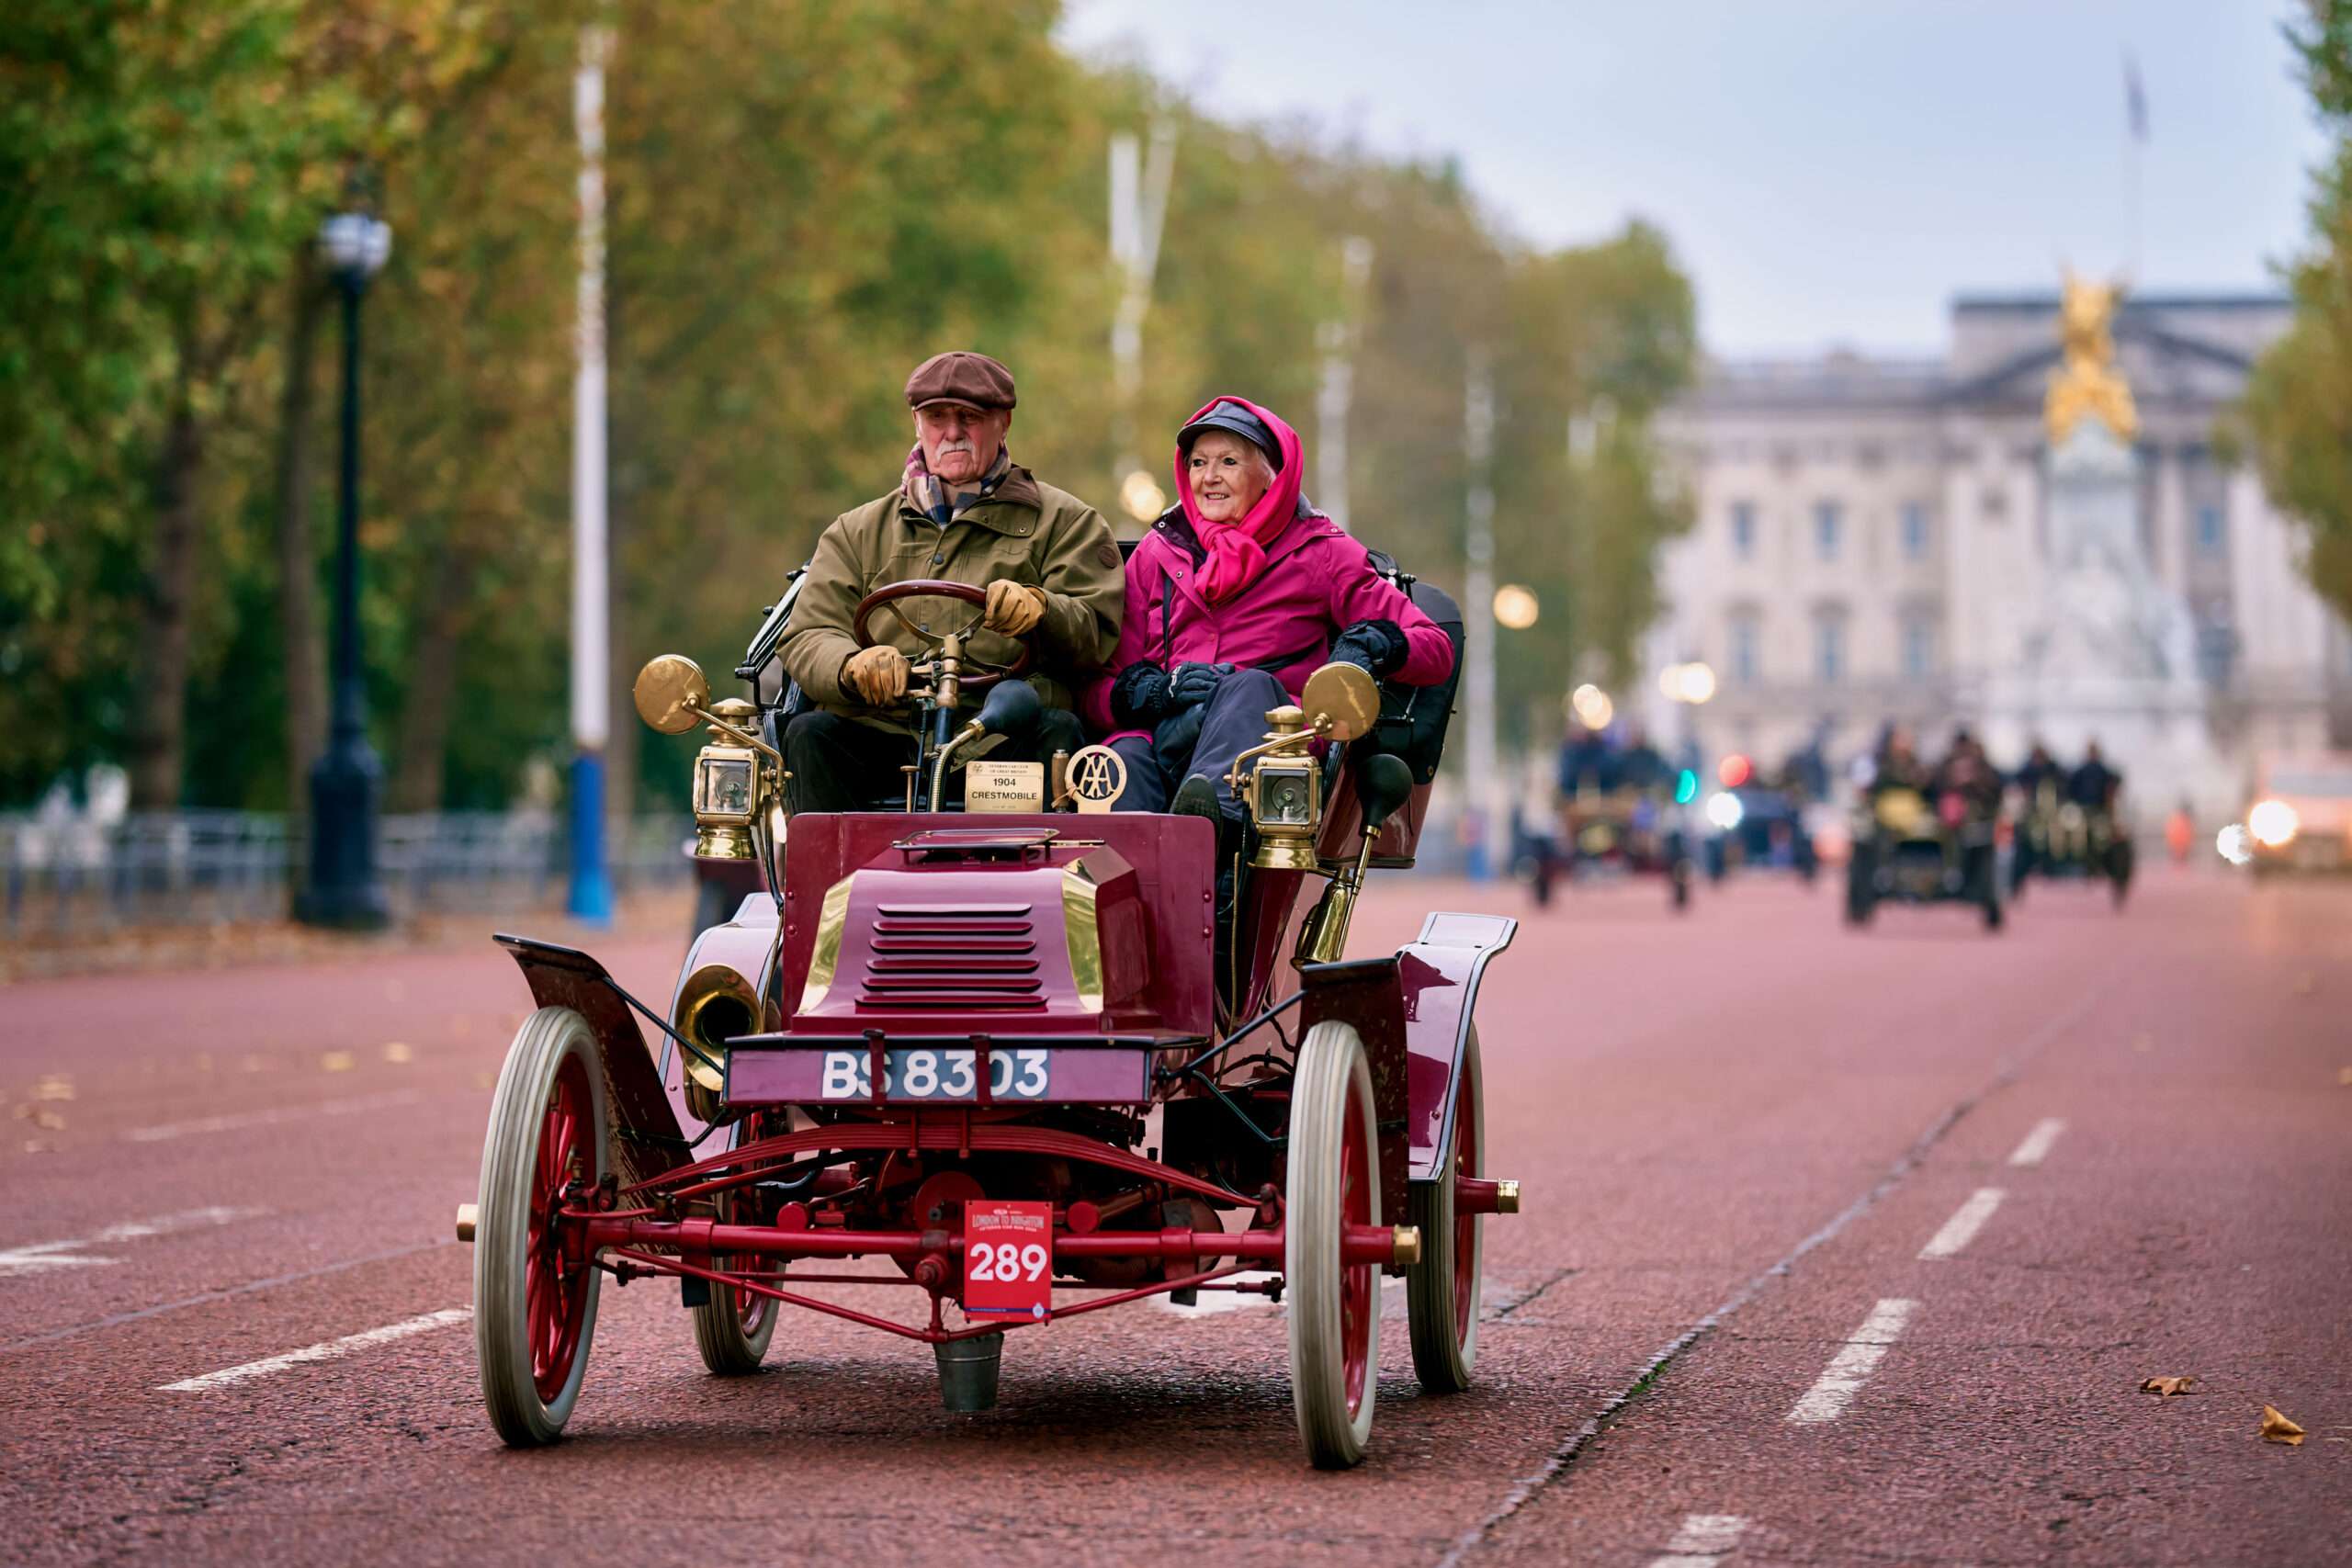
<point x="938" y="1072"/>
<point x="1008" y="1257"/>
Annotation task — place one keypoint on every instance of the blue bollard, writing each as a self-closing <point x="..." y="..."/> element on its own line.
<point x="592" y="884"/>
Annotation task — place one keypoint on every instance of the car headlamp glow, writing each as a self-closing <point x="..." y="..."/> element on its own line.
<point x="2234" y="844"/>
<point x="2272" y="823"/>
<point x="1724" y="810"/>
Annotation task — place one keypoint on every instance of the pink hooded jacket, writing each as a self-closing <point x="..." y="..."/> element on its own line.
<point x="1316" y="584"/>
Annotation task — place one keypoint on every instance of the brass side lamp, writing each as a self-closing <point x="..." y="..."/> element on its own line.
<point x="726" y="788"/>
<point x="736" y="773"/>
<point x="1283" y="785"/>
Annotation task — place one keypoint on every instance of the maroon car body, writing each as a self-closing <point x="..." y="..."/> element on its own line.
<point x="943" y="1031"/>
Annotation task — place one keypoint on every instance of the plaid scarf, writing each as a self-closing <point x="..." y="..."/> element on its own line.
<point x="930" y="497"/>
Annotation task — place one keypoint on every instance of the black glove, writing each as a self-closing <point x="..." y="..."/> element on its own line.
<point x="1172" y="743"/>
<point x="1139" y="696"/>
<point x="1193" y="684"/>
<point x="1378" y="646"/>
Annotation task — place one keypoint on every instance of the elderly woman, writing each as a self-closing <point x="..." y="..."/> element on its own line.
<point x="1236" y="594"/>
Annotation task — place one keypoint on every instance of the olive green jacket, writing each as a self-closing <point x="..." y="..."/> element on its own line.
<point x="1029" y="532"/>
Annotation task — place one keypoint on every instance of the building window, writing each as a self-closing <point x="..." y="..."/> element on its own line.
<point x="1830" y="648"/>
<point x="1918" y="646"/>
<point x="1743" y="530"/>
<point x="1827" y="524"/>
<point x="2212" y="533"/>
<point x="1746" y="658"/>
<point x="1915" y="531"/>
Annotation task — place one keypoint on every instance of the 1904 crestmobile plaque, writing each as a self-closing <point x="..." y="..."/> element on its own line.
<point x="1004" y="786"/>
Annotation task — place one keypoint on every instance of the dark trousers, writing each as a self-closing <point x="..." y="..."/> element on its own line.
<point x="1232" y="721"/>
<point x="839" y="765"/>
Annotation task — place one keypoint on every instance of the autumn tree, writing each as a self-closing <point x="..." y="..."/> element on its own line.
<point x="805" y="198"/>
<point x="2298" y="407"/>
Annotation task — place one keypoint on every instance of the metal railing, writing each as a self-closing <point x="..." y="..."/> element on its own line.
<point x="67" y="874"/>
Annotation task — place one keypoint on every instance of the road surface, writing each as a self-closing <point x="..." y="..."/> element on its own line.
<point x="1837" y="1247"/>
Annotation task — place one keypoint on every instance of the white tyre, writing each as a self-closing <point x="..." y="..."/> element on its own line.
<point x="1332" y="1180"/>
<point x="534" y="1312"/>
<point x="1442" y="1291"/>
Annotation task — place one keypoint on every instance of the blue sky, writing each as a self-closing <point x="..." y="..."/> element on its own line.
<point x="1830" y="171"/>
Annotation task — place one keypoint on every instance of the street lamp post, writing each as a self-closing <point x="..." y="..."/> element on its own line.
<point x="341" y="888"/>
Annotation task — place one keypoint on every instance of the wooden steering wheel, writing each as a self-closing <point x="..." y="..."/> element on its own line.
<point x="887" y="598"/>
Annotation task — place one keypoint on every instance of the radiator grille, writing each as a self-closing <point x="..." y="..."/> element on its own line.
<point x="970" y="957"/>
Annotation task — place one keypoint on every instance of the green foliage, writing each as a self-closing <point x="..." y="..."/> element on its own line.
<point x="805" y="198"/>
<point x="2297" y="412"/>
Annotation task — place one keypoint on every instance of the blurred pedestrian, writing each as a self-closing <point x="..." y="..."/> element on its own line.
<point x="2093" y="784"/>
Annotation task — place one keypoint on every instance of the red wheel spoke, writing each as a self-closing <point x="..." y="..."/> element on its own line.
<point x="1356" y="1291"/>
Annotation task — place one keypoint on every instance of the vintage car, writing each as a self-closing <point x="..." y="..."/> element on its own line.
<point x="1614" y="832"/>
<point x="1035" y="1057"/>
<point x="2301" y="815"/>
<point x="1757" y="822"/>
<point x="1915" y="848"/>
<point x="2063" y="840"/>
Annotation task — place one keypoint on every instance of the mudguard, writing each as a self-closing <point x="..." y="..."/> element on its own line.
<point x="1367" y="994"/>
<point x="1438" y="977"/>
<point x="644" y="1140"/>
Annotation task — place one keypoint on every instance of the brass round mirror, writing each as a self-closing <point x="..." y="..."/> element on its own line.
<point x="1343" y="701"/>
<point x="668" y="689"/>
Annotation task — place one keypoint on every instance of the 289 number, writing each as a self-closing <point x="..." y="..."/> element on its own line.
<point x="1007" y="1262"/>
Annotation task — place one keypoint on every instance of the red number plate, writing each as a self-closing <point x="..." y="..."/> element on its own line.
<point x="1008" y="1257"/>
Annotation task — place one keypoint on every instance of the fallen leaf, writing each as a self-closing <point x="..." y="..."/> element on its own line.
<point x="2143" y="1043"/>
<point x="484" y="1080"/>
<point x="336" y="1062"/>
<point x="54" y="1086"/>
<point x="2305" y="984"/>
<point x="250" y="1063"/>
<point x="2166" y="1386"/>
<point x="2277" y="1429"/>
<point x="203" y="1061"/>
<point x="2343" y="1077"/>
<point x="398" y="1051"/>
<point x="49" y="1120"/>
<point x="39" y="1147"/>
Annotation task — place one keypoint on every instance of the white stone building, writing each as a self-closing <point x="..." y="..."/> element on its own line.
<point x="1872" y="534"/>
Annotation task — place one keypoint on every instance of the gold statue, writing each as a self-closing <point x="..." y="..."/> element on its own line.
<point x="2088" y="381"/>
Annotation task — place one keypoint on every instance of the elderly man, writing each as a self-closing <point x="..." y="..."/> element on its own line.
<point x="968" y="513"/>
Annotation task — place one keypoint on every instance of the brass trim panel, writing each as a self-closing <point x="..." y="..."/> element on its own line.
<point x="833" y="917"/>
<point x="1081" y="924"/>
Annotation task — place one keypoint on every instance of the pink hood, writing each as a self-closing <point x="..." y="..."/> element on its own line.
<point x="1236" y="551"/>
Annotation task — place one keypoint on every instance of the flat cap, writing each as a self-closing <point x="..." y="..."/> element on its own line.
<point x="960" y="376"/>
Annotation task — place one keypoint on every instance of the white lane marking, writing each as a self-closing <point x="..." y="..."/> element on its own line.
<point x="235" y="1120"/>
<point x="1835" y="1389"/>
<point x="206" y="1298"/>
<point x="1704" y="1541"/>
<point x="327" y="1350"/>
<point x="41" y="1255"/>
<point x="2037" y="1143"/>
<point x="1965" y="1222"/>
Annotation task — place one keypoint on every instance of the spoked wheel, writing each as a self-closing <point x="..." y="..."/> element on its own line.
<point x="733" y="1325"/>
<point x="1333" y="1179"/>
<point x="1441" y="1289"/>
<point x="534" y="1310"/>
